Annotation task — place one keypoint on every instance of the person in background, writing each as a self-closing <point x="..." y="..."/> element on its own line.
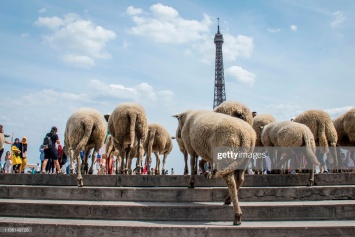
<point x="172" y="171"/>
<point x="38" y="168"/>
<point x="8" y="163"/>
<point x="254" y="113"/>
<point x="98" y="163"/>
<point x="16" y="159"/>
<point x="41" y="155"/>
<point x="2" y="141"/>
<point x="52" y="153"/>
<point x="23" y="154"/>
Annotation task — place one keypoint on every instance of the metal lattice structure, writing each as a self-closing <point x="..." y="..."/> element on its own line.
<point x="219" y="87"/>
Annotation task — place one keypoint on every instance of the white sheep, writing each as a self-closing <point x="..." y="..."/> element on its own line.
<point x="128" y="127"/>
<point x="85" y="130"/>
<point x="260" y="121"/>
<point x="345" y="127"/>
<point x="324" y="133"/>
<point x="235" y="109"/>
<point x="288" y="134"/>
<point x="159" y="142"/>
<point x="201" y="131"/>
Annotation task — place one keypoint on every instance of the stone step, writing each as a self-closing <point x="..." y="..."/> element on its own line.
<point x="177" y="194"/>
<point x="173" y="211"/>
<point x="40" y="227"/>
<point x="174" y="180"/>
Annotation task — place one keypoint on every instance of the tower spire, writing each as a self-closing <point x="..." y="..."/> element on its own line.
<point x="219" y="87"/>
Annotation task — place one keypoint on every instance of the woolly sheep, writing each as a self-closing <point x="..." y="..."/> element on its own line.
<point x="85" y="130"/>
<point x="235" y="109"/>
<point x="345" y="127"/>
<point x="288" y="134"/>
<point x="128" y="127"/>
<point x="201" y="131"/>
<point x="159" y="142"/>
<point x="260" y="121"/>
<point x="323" y="130"/>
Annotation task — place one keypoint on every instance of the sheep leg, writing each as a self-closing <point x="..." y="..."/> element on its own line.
<point x="93" y="159"/>
<point x="192" y="174"/>
<point x="186" y="169"/>
<point x="164" y="161"/>
<point x="79" y="177"/>
<point x="157" y="164"/>
<point x="239" y="180"/>
<point x="140" y="150"/>
<point x="71" y="158"/>
<point x="196" y="165"/>
<point x="232" y="189"/>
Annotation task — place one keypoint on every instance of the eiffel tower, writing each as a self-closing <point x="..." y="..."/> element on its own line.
<point x="219" y="87"/>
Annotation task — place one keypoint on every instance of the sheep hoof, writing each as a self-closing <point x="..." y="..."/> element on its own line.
<point x="191" y="185"/>
<point x="80" y="182"/>
<point x="163" y="172"/>
<point x="237" y="219"/>
<point x="91" y="171"/>
<point x="227" y="200"/>
<point x="311" y="183"/>
<point x="71" y="171"/>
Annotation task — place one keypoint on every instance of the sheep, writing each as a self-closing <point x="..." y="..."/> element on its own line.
<point x="323" y="130"/>
<point x="201" y="131"/>
<point x="235" y="109"/>
<point x="85" y="130"/>
<point x="128" y="127"/>
<point x="345" y="127"/>
<point x="289" y="134"/>
<point x="159" y="142"/>
<point x="260" y="121"/>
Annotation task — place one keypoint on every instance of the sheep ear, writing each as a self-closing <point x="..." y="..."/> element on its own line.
<point x="177" y="116"/>
<point x="261" y="128"/>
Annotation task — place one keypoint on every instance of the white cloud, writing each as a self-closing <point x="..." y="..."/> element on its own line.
<point x="80" y="41"/>
<point x="79" y="60"/>
<point x="241" y="75"/>
<point x="273" y="30"/>
<point x="240" y="46"/>
<point x="164" y="25"/>
<point x="293" y="27"/>
<point x="142" y="92"/>
<point x="133" y="11"/>
<point x="42" y="10"/>
<point x="335" y="112"/>
<point x="339" y="18"/>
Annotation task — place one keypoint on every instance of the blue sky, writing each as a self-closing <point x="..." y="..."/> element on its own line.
<point x="280" y="57"/>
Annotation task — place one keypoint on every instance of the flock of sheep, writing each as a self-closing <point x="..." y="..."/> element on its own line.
<point x="231" y="124"/>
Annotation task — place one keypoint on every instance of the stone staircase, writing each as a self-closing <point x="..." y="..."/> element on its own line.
<point x="120" y="205"/>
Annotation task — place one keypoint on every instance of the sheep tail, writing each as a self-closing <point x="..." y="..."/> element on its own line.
<point x="133" y="119"/>
<point x="309" y="152"/>
<point x="88" y="126"/>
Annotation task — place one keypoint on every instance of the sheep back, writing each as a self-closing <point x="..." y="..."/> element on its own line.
<point x="345" y="128"/>
<point x="321" y="126"/>
<point x="261" y="121"/>
<point x="85" y="127"/>
<point x="235" y="109"/>
<point x="128" y="122"/>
